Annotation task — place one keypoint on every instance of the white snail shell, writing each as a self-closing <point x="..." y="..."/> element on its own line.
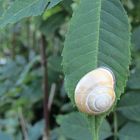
<point x="94" y="93"/>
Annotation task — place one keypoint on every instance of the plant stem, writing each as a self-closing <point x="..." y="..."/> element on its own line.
<point x="23" y="124"/>
<point x="51" y="97"/>
<point x="95" y="137"/>
<point x="94" y="127"/>
<point x="13" y="42"/>
<point x="115" y="126"/>
<point x="28" y="33"/>
<point x="45" y="83"/>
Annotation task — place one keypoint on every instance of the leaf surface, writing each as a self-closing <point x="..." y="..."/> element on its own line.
<point x="4" y="136"/>
<point x="75" y="126"/>
<point x="129" y="106"/>
<point x="134" y="80"/>
<point x="98" y="36"/>
<point x="130" y="131"/>
<point x="25" y="8"/>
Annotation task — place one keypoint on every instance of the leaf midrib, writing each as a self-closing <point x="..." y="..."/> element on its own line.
<point x="99" y="25"/>
<point x="96" y="128"/>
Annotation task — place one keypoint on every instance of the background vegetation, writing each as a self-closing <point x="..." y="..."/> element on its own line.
<point x="23" y="74"/>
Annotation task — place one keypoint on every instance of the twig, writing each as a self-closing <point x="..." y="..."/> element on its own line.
<point x="44" y="136"/>
<point x="115" y="126"/>
<point x="45" y="83"/>
<point x="51" y="97"/>
<point x="23" y="124"/>
<point x="13" y="42"/>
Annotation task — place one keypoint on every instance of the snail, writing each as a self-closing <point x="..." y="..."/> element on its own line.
<point x="94" y="93"/>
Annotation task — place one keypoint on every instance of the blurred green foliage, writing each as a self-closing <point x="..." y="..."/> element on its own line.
<point x="21" y="74"/>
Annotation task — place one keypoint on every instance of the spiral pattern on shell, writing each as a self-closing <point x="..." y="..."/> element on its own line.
<point x="94" y="93"/>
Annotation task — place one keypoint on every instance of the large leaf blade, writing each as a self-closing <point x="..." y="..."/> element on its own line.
<point x="98" y="36"/>
<point x="21" y="9"/>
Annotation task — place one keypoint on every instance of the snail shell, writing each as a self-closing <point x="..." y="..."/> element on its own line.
<point x="94" y="93"/>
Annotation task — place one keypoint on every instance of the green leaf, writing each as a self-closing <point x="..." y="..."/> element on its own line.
<point x="98" y="36"/>
<point x="1" y="7"/>
<point x="53" y="3"/>
<point x="67" y="5"/>
<point x="120" y="119"/>
<point x="49" y="26"/>
<point x="129" y="106"/>
<point x="54" y="63"/>
<point x="36" y="131"/>
<point x="130" y="131"/>
<point x="21" y="9"/>
<point x="75" y="126"/>
<point x="134" y="80"/>
<point x="135" y="38"/>
<point x="27" y="69"/>
<point x="4" y="136"/>
<point x="57" y="135"/>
